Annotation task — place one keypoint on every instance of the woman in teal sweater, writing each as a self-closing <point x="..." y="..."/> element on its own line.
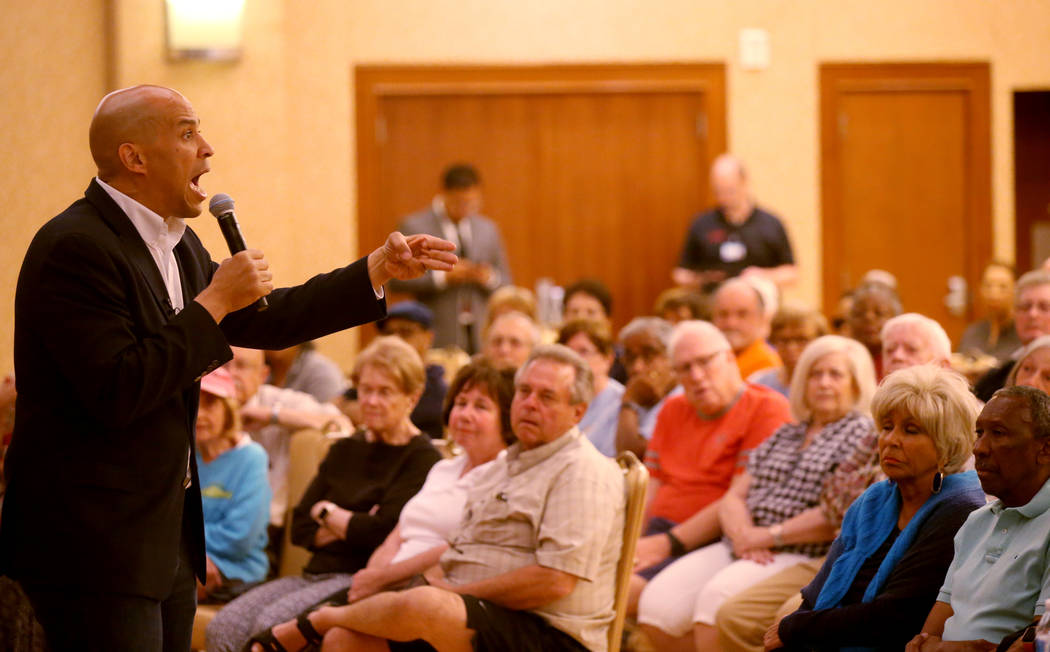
<point x="234" y="489"/>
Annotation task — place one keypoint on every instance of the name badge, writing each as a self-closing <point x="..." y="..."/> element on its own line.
<point x="732" y="251"/>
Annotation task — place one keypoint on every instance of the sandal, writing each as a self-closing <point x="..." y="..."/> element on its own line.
<point x="267" y="640"/>
<point x="270" y="643"/>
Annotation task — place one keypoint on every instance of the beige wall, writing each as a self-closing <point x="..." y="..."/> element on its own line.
<point x="281" y="119"/>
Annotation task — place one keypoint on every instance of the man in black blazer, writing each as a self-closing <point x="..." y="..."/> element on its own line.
<point x="119" y="311"/>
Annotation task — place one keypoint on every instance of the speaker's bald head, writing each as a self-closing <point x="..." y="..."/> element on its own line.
<point x="129" y="115"/>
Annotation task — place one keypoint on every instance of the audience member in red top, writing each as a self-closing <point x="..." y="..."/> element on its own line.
<point x="701" y="441"/>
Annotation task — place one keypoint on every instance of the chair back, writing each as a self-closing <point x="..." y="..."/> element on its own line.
<point x="635" y="482"/>
<point x="306" y="449"/>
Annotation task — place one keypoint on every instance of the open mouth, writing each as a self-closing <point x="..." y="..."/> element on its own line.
<point x="196" y="187"/>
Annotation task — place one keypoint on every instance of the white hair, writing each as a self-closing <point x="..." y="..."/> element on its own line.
<point x="702" y="329"/>
<point x="936" y="337"/>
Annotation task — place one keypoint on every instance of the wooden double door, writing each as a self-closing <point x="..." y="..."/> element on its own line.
<point x="590" y="171"/>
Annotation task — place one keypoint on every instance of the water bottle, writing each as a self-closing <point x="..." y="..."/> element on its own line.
<point x="1042" y="631"/>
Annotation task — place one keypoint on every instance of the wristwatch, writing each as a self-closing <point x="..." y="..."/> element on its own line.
<point x="777" y="532"/>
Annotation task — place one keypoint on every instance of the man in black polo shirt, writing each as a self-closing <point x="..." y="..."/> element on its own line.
<point x="735" y="238"/>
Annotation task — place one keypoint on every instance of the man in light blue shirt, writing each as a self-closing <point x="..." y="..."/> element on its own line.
<point x="1000" y="575"/>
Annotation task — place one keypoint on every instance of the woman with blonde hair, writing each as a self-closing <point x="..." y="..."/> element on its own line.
<point x="883" y="572"/>
<point x="770" y="516"/>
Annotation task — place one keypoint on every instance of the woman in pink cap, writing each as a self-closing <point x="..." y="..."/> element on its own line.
<point x="234" y="492"/>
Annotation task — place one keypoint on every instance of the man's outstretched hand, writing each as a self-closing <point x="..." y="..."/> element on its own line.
<point x="404" y="257"/>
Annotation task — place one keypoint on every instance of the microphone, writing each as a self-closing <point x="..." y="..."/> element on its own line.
<point x="221" y="206"/>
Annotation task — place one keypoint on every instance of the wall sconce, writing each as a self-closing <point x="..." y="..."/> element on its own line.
<point x="204" y="29"/>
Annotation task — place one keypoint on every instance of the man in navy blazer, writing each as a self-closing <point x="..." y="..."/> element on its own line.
<point x="119" y="311"/>
<point x="458" y="298"/>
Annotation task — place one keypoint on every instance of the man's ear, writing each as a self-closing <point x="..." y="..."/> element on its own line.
<point x="131" y="157"/>
<point x="1043" y="454"/>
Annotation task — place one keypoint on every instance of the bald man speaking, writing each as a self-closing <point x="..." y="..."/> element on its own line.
<point x="119" y="311"/>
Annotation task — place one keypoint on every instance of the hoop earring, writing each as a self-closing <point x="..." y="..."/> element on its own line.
<point x="938" y="481"/>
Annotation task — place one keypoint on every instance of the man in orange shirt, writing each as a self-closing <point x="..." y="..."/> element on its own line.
<point x="702" y="439"/>
<point x="739" y="312"/>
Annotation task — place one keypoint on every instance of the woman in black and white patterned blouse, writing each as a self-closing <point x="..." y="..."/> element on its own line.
<point x="770" y="517"/>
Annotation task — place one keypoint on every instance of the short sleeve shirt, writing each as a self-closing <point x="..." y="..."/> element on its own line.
<point x="1001" y="564"/>
<point x="695" y="458"/>
<point x="559" y="505"/>
<point x="713" y="243"/>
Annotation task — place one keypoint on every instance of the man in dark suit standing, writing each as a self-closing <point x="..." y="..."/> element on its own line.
<point x="119" y="311"/>
<point x="458" y="297"/>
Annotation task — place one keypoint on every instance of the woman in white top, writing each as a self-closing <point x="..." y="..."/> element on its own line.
<point x="477" y="413"/>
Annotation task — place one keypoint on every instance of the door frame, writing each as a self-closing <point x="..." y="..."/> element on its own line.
<point x="373" y="82"/>
<point x="972" y="78"/>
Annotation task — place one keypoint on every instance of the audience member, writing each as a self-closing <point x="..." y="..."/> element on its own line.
<point x="477" y="413"/>
<point x="590" y="299"/>
<point x="1031" y="320"/>
<point x="510" y="339"/>
<point x="911" y="339"/>
<point x="650" y="381"/>
<point x="702" y="439"/>
<point x="744" y="618"/>
<point x="511" y="298"/>
<point x="352" y="503"/>
<point x="872" y="305"/>
<point x="994" y="334"/>
<point x="458" y="296"/>
<point x="770" y="515"/>
<point x="1032" y="368"/>
<point x="883" y="571"/>
<point x="303" y="369"/>
<point x="412" y="322"/>
<point x="592" y="341"/>
<point x="734" y="238"/>
<point x="234" y="493"/>
<point x="587" y="299"/>
<point x="532" y="566"/>
<point x="997" y="581"/>
<point x="738" y="310"/>
<point x="790" y="331"/>
<point x="681" y="304"/>
<point x="271" y="414"/>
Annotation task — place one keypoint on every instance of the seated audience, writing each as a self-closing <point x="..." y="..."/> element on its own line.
<point x="994" y="334"/>
<point x="532" y="566"/>
<point x="234" y="492"/>
<point x="592" y="341"/>
<point x="912" y="339"/>
<point x="873" y="303"/>
<point x="303" y="369"/>
<point x="702" y="440"/>
<point x="770" y="516"/>
<point x="681" y="304"/>
<point x="1031" y="320"/>
<point x="997" y="581"/>
<point x="477" y="413"/>
<point x="510" y="338"/>
<point x="412" y="321"/>
<point x="270" y="415"/>
<point x="650" y="381"/>
<point x="742" y="621"/>
<point x="791" y="330"/>
<point x="738" y="309"/>
<point x="883" y="572"/>
<point x="352" y="503"/>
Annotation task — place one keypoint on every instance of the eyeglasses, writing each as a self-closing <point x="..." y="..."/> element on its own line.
<point x="704" y="362"/>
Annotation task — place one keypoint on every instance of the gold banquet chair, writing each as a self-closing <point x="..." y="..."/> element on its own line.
<point x="635" y="482"/>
